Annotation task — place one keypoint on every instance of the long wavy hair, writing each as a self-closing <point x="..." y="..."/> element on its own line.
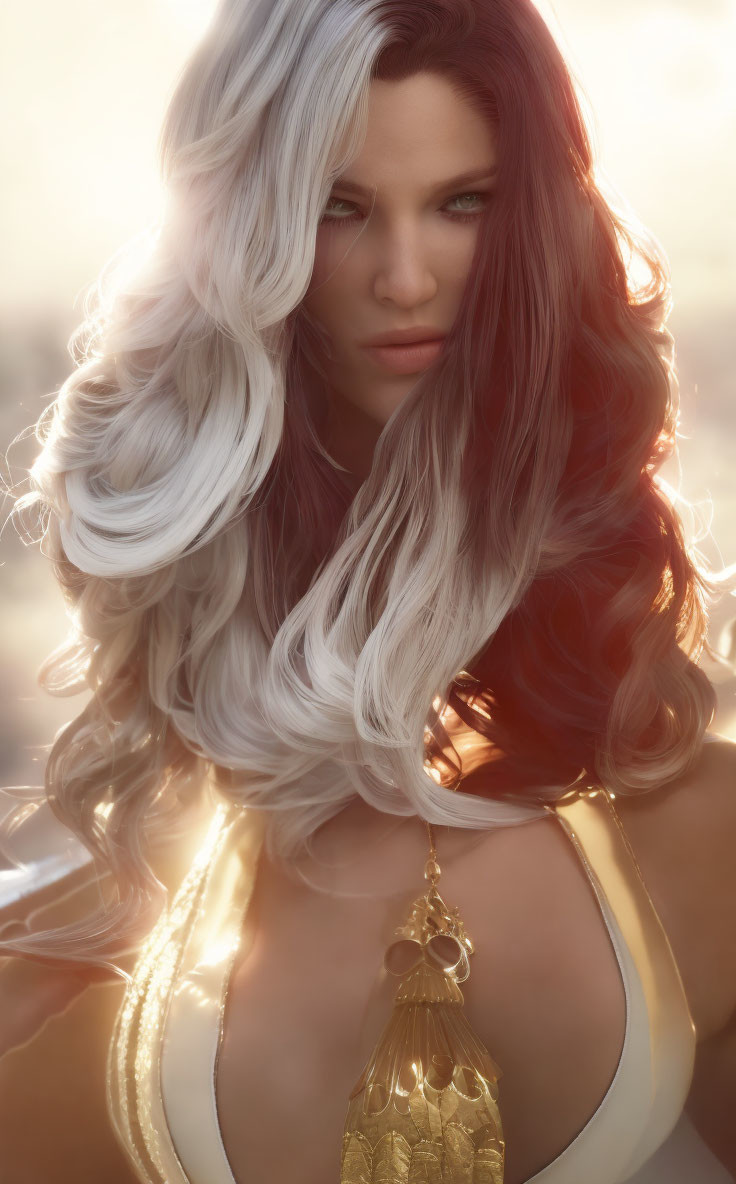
<point x="236" y="611"/>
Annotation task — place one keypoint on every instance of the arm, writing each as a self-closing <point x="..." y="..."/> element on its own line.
<point x="684" y="836"/>
<point x="54" y="1124"/>
<point x="53" y="1031"/>
<point x="32" y="990"/>
<point x="712" y="1096"/>
<point x="31" y="994"/>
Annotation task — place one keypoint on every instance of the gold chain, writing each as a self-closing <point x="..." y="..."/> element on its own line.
<point x="432" y="870"/>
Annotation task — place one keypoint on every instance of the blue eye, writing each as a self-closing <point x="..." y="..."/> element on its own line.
<point x="328" y="218"/>
<point x="466" y="214"/>
<point x="458" y="216"/>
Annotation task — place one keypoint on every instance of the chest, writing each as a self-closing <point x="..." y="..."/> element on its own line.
<point x="307" y="1000"/>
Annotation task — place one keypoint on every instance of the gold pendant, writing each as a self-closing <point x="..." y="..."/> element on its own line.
<point x="425" y="1108"/>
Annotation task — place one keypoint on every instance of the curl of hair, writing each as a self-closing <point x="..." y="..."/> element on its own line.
<point x="236" y="610"/>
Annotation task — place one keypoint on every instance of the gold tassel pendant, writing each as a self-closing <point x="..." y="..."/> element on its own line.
<point x="425" y="1108"/>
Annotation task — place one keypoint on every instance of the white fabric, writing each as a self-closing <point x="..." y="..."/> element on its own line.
<point x="636" y="1135"/>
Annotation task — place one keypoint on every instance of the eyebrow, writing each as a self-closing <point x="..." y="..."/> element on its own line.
<point x="461" y="179"/>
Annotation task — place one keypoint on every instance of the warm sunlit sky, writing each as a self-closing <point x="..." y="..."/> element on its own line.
<point x="87" y="82"/>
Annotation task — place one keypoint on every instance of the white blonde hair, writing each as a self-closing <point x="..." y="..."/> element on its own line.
<point x="301" y="676"/>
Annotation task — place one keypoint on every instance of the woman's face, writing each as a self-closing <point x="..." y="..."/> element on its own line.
<point x="397" y="238"/>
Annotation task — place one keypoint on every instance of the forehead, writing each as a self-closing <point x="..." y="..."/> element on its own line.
<point x="421" y="132"/>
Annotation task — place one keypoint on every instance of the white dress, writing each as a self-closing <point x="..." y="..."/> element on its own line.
<point x="162" y="1067"/>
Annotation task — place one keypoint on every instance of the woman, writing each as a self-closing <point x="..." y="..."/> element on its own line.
<point x="352" y="579"/>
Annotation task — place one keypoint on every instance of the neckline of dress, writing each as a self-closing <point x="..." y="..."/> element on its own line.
<point x="539" y="1176"/>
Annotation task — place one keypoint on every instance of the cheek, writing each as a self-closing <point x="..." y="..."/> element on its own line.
<point x="333" y="288"/>
<point x="320" y="272"/>
<point x="458" y="258"/>
<point x="331" y="272"/>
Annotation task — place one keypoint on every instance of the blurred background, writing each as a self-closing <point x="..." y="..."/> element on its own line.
<point x="83" y="87"/>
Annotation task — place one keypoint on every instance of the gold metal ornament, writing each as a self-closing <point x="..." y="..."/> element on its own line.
<point x="425" y="1108"/>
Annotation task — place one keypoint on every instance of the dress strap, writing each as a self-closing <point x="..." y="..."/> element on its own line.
<point x="194" y="1025"/>
<point x="135" y="1098"/>
<point x="667" y="1046"/>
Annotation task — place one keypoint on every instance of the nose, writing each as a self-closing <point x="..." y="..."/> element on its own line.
<point x="403" y="273"/>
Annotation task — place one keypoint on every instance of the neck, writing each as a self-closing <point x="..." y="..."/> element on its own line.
<point x="350" y="436"/>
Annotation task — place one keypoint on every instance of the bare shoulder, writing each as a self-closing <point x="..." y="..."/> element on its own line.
<point x="684" y="838"/>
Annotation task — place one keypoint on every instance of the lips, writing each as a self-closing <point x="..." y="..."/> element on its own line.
<point x="410" y="336"/>
<point x="411" y="358"/>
